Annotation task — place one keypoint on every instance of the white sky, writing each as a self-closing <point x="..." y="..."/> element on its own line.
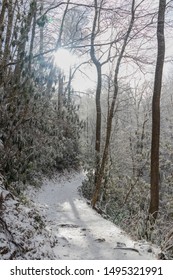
<point x="88" y="79"/>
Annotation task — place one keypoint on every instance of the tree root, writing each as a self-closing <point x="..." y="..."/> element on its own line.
<point x="127" y="248"/>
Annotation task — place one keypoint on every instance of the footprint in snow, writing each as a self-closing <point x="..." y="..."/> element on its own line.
<point x="100" y="240"/>
<point x="68" y="226"/>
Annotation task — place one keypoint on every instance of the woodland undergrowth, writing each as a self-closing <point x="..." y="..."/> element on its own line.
<point x="125" y="201"/>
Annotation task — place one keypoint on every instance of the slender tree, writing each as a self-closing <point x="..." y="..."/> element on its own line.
<point x="98" y="66"/>
<point x="154" y="202"/>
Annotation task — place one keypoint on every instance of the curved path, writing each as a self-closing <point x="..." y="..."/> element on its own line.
<point x="81" y="232"/>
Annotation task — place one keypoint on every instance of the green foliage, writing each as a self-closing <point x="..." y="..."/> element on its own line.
<point x="36" y="139"/>
<point x="42" y="21"/>
<point x="35" y="136"/>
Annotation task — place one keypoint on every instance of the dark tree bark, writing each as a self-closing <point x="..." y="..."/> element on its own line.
<point x="154" y="202"/>
<point x="98" y="66"/>
<point x="60" y="91"/>
<point x="27" y="25"/>
<point x="2" y="18"/>
<point x="5" y="53"/>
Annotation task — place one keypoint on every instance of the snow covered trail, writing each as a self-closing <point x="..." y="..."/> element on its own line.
<point x="81" y="232"/>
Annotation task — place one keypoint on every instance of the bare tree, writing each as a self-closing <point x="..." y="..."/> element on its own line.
<point x="98" y="66"/>
<point x="154" y="202"/>
<point x="112" y="108"/>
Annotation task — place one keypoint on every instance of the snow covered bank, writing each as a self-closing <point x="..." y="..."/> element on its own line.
<point x="22" y="231"/>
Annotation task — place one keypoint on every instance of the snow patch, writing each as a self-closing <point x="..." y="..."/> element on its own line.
<point x="23" y="234"/>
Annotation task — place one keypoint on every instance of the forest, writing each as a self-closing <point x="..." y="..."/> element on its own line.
<point x="87" y="85"/>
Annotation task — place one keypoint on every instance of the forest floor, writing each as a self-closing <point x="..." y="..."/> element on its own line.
<point x="55" y="222"/>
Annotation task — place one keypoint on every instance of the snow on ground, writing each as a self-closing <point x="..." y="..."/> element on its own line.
<point x="22" y="230"/>
<point x="80" y="232"/>
<point x="55" y="222"/>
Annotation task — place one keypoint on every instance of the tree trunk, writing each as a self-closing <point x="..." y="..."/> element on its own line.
<point x="6" y="52"/>
<point x="2" y="23"/>
<point x="154" y="191"/>
<point x="98" y="121"/>
<point x="32" y="40"/>
<point x="98" y="91"/>
<point x="60" y="92"/>
<point x="23" y="41"/>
